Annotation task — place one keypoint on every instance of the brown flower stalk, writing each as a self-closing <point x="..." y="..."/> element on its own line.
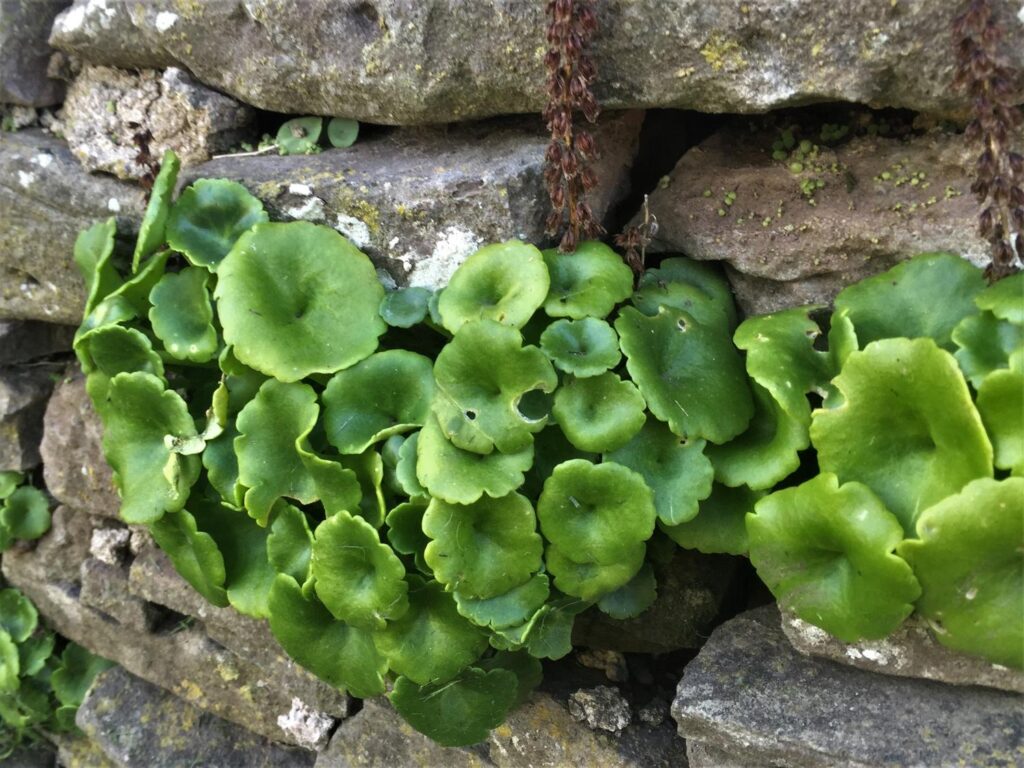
<point x="571" y="25"/>
<point x="635" y="238"/>
<point x="1000" y="171"/>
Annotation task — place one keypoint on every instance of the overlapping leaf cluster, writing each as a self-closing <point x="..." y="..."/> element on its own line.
<point x="419" y="487"/>
<point x="43" y="678"/>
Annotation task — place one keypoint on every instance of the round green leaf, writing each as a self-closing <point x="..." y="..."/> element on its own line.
<point x="460" y="712"/>
<point x="482" y="375"/>
<point x="243" y="545"/>
<point x="1004" y="299"/>
<point x="483" y="549"/>
<point x="299" y="135"/>
<point x="826" y="552"/>
<point x="431" y="642"/>
<point x="405" y="531"/>
<point x="18" y="617"/>
<point x="595" y="513"/>
<point x="586" y="283"/>
<point x="691" y="375"/>
<point x="528" y="671"/>
<point x="142" y="424"/>
<point x="35" y="652"/>
<point x="586" y="347"/>
<point x="507" y="610"/>
<point x="462" y="477"/>
<point x="9" y="480"/>
<point x="154" y="222"/>
<point x="344" y="656"/>
<point x="1001" y="405"/>
<point x="386" y="394"/>
<point x="720" y="526"/>
<point x="113" y="349"/>
<point x="10" y="667"/>
<point x="969" y="558"/>
<point x="195" y="554"/>
<point x="676" y="470"/>
<point x="75" y="673"/>
<point x="93" y="248"/>
<point x="290" y="543"/>
<point x="985" y="345"/>
<point x="277" y="299"/>
<point x="360" y="580"/>
<point x="342" y="132"/>
<point x="601" y="413"/>
<point x="632" y="598"/>
<point x="208" y="219"/>
<point x="592" y="580"/>
<point x="697" y="289"/>
<point x="923" y="297"/>
<point x="405" y="307"/>
<point x="504" y="282"/>
<point x="182" y="316"/>
<point x="26" y="513"/>
<point x="550" y="448"/>
<point x="907" y="428"/>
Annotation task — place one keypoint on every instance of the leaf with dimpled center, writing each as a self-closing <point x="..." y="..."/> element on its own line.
<point x="586" y="283"/>
<point x="208" y="219"/>
<point x="154" y="222"/>
<point x="360" y="580"/>
<point x="826" y="552"/>
<point x="344" y="656"/>
<point x="431" y="642"/>
<point x="26" y="513"/>
<point x="691" y="287"/>
<point x="595" y="512"/>
<point x="182" y="316"/>
<point x="482" y="374"/>
<point x="504" y="282"/>
<point x="278" y="300"/>
<point x="586" y="347"/>
<point x="194" y="553"/>
<point x="386" y="394"/>
<point x="600" y="413"/>
<point x="460" y="712"/>
<point x="691" y="375"/>
<point x="113" y="349"/>
<point x="483" y="549"/>
<point x="969" y="559"/>
<point x="592" y="580"/>
<point x="907" y="428"/>
<point x="141" y="422"/>
<point x="923" y="297"/>
<point x="273" y="460"/>
<point x="675" y="469"/>
<point x="462" y="477"/>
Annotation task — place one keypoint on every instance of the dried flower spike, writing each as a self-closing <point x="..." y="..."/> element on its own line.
<point x="985" y="78"/>
<point x="571" y="25"/>
<point x="635" y="238"/>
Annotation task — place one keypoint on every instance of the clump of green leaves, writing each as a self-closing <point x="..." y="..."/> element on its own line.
<point x="301" y="135"/>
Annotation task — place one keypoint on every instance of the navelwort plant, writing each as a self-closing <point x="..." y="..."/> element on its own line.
<point x="420" y="491"/>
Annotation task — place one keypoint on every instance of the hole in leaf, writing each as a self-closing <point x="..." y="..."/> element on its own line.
<point x="534" y="405"/>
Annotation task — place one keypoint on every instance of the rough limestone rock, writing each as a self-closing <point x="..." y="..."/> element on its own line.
<point x="420" y="61"/>
<point x="65" y="546"/>
<point x="21" y="342"/>
<point x="75" y="471"/>
<point x="23" y="393"/>
<point x="419" y="202"/>
<point x="25" y="54"/>
<point x="105" y="588"/>
<point x="179" y="657"/>
<point x="910" y="651"/>
<point x="602" y="707"/>
<point x="38" y="755"/>
<point x="106" y="108"/>
<point x="101" y="31"/>
<point x="138" y="724"/>
<point x="752" y="696"/>
<point x="47" y="198"/>
<point x="882" y="200"/>
<point x="540" y="734"/>
<point x="690" y="593"/>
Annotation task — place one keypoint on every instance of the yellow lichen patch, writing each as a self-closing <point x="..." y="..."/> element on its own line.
<point x="721" y="53"/>
<point x="188" y="690"/>
<point x="227" y="672"/>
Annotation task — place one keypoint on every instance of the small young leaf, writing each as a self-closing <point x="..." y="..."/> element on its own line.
<point x="342" y="132"/>
<point x="290" y="544"/>
<point x="405" y="470"/>
<point x="1001" y="405"/>
<point x="459" y="712"/>
<point x="182" y="315"/>
<point x="209" y="217"/>
<point x="113" y="349"/>
<point x="26" y="513"/>
<point x="985" y="345"/>
<point x="633" y="598"/>
<point x="586" y="283"/>
<point x="154" y="222"/>
<point x="93" y="248"/>
<point x="601" y="413"/>
<point x="72" y="678"/>
<point x="195" y="554"/>
<point x="586" y="347"/>
<point x="720" y="526"/>
<point x="9" y="480"/>
<point x="507" y="610"/>
<point x="591" y="580"/>
<point x="34" y="653"/>
<point x="527" y="669"/>
<point x="18" y="617"/>
<point x="1004" y="299"/>
<point x="405" y="307"/>
<point x="826" y="552"/>
<point x="405" y="531"/>
<point x="299" y="135"/>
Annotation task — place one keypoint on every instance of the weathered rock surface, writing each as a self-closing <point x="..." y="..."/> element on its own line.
<point x="24" y="341"/>
<point x="24" y="52"/>
<point x="38" y="755"/>
<point x="105" y="588"/>
<point x="101" y="31"/>
<point x="882" y="200"/>
<point x="135" y="723"/>
<point x="419" y="202"/>
<point x="690" y="593"/>
<point x="540" y="734"/>
<point x="74" y="468"/>
<point x="752" y="696"/>
<point x="47" y="198"/>
<point x="419" y="61"/>
<point x="179" y="656"/>
<point x="23" y="393"/>
<point x="105" y="108"/>
<point x="910" y="651"/>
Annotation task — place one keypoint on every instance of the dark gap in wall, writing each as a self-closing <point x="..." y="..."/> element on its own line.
<point x="171" y="622"/>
